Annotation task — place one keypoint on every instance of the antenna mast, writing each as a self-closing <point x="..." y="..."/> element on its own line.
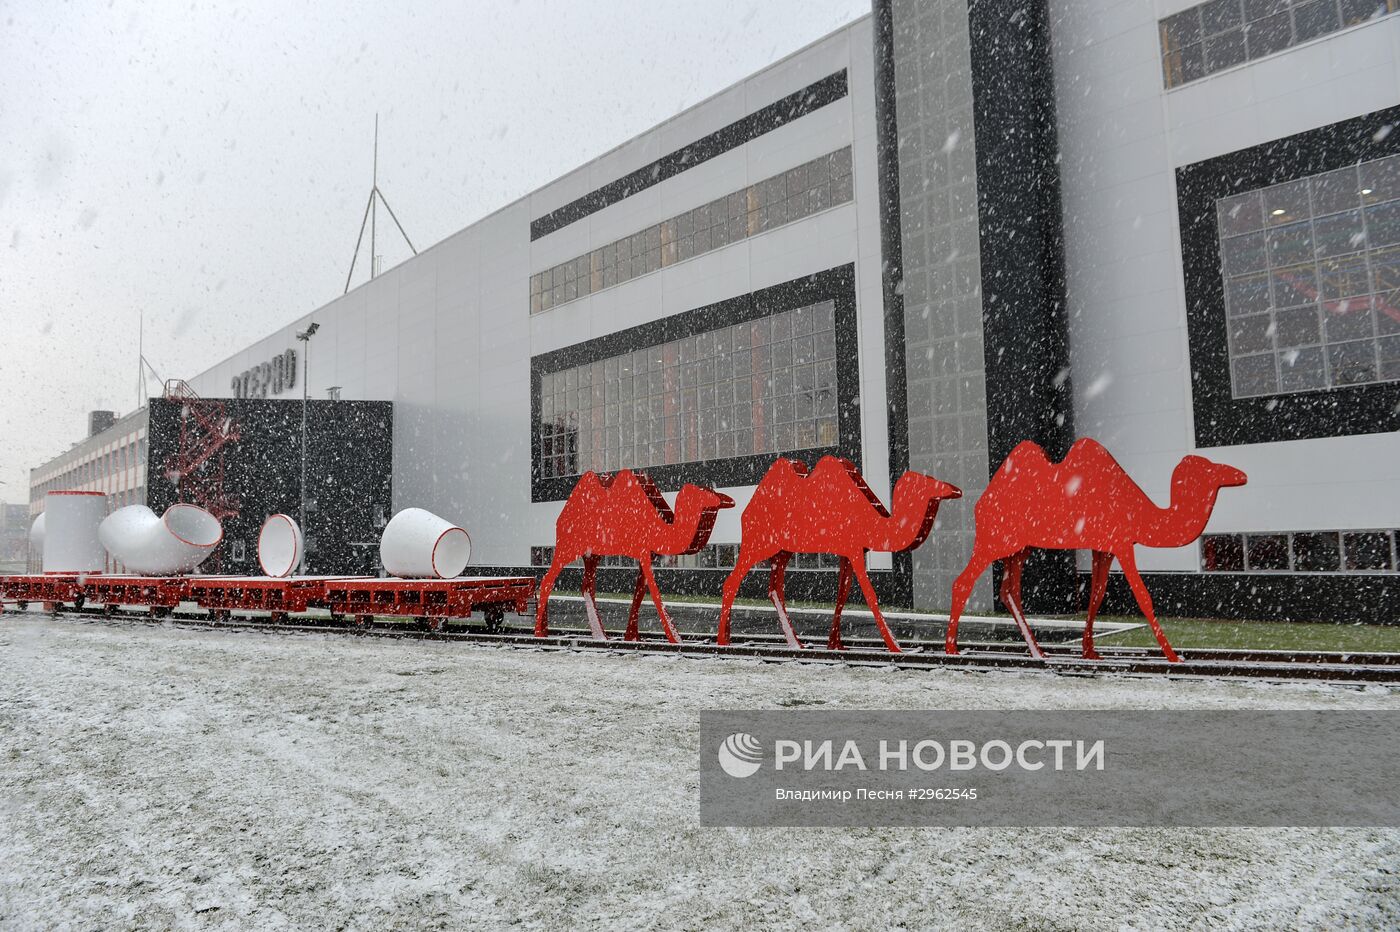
<point x="371" y="218"/>
<point x="141" y="359"/>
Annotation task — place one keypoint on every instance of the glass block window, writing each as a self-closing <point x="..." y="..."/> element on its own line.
<point x="1366" y="551"/>
<point x="760" y="387"/>
<point x="1311" y="272"/>
<point x="1220" y="34"/>
<point x="799" y="192"/>
<point x="713" y="556"/>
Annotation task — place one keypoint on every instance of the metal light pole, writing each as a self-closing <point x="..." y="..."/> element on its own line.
<point x="305" y="337"/>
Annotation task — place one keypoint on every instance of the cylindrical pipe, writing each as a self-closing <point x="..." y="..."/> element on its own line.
<point x="280" y="548"/>
<point x="177" y="542"/>
<point x="70" y="538"/>
<point x="36" y="537"/>
<point x="419" y="544"/>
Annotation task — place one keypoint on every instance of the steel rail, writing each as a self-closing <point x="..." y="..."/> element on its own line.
<point x="1320" y="666"/>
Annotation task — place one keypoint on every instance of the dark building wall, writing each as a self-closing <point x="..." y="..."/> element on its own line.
<point x="349" y="473"/>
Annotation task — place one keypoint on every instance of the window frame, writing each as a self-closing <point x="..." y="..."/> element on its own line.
<point x="836" y="285"/>
<point x="1220" y="418"/>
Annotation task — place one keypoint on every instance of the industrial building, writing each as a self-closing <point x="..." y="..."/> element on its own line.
<point x="940" y="230"/>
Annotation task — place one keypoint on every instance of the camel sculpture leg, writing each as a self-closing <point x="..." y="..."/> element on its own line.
<point x="656" y="598"/>
<point x="858" y="565"/>
<point x="777" y="574"/>
<point x="1128" y="560"/>
<point x="962" y="590"/>
<point x="1098" y="586"/>
<point x="562" y="558"/>
<point x="1011" y="595"/>
<point x="843" y="592"/>
<point x="590" y="587"/>
<point x="746" y="561"/>
<point x="637" y="593"/>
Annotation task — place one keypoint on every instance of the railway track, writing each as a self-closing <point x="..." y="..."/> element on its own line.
<point x="1269" y="665"/>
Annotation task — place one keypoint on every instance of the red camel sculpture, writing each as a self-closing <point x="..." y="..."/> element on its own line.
<point x="830" y="511"/>
<point x="1086" y="500"/>
<point x="624" y="515"/>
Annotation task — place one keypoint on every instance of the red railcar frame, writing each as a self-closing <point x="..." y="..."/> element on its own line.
<point x="437" y="599"/>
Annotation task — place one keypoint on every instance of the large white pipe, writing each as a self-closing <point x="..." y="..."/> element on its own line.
<point x="280" y="546"/>
<point x="70" y="538"/>
<point x="419" y="544"/>
<point x="177" y="542"/>
<point x="36" y="537"/>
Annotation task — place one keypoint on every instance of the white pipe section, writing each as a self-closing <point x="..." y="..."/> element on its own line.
<point x="36" y="537"/>
<point x="280" y="546"/>
<point x="174" y="543"/>
<point x="419" y="544"/>
<point x="70" y="539"/>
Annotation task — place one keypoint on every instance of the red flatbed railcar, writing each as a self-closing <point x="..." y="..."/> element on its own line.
<point x="434" y="599"/>
<point x="43" y="587"/>
<point x="159" y="593"/>
<point x="278" y="595"/>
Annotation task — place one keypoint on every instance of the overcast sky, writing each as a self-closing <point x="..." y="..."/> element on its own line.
<point x="208" y="164"/>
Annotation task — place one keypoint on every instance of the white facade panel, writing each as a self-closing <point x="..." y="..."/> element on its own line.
<point x="1123" y="136"/>
<point x="448" y="337"/>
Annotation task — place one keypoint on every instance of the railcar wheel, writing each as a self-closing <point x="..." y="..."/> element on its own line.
<point x="495" y="618"/>
<point x="22" y="604"/>
<point x="79" y="601"/>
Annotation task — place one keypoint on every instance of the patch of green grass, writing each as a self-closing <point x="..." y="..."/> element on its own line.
<point x="1260" y="635"/>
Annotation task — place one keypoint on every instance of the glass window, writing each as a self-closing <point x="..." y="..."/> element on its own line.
<point x="703" y="401"/>
<point x="791" y="195"/>
<point x="1220" y="34"/>
<point x="1316" y="552"/>
<point x="1222" y="553"/>
<point x="1359" y="11"/>
<point x="1223" y="51"/>
<point x="1240" y="213"/>
<point x="1367" y="550"/>
<point x="1269" y="34"/>
<point x="1332" y="280"/>
<point x="1219" y="15"/>
<point x="1318" y="18"/>
<point x="1267" y="551"/>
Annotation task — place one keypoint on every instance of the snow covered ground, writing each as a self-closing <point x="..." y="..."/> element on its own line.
<point x="157" y="777"/>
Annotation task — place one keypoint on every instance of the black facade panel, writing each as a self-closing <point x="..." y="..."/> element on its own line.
<point x="1337" y="598"/>
<point x="349" y="475"/>
<point x="779" y="113"/>
<point x="1025" y="332"/>
<point x="892" y="274"/>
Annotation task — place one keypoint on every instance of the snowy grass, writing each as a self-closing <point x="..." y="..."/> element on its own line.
<point x="1265" y="635"/>
<point x="161" y="777"/>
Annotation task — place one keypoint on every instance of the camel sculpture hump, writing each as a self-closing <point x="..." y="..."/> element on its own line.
<point x="612" y="513"/>
<point x="1084" y="500"/>
<point x="775" y="497"/>
<point x="840" y="477"/>
<point x="794" y="507"/>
